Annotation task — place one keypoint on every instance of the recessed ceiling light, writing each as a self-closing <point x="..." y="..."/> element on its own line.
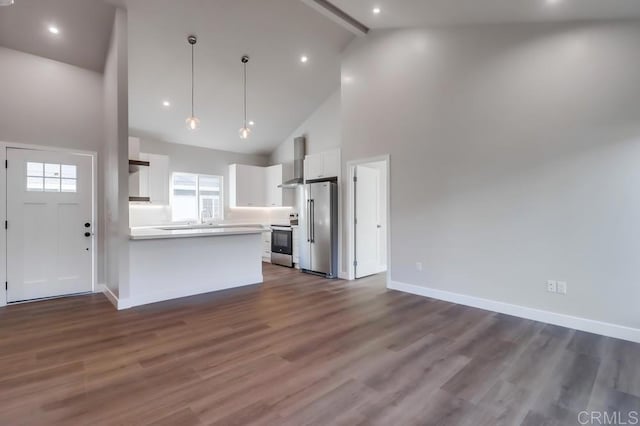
<point x="304" y="59"/>
<point x="553" y="2"/>
<point x="166" y="103"/>
<point x="252" y="123"/>
<point x="6" y="2"/>
<point x="53" y="29"/>
<point x="376" y="11"/>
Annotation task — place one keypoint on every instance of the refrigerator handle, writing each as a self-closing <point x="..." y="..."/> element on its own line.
<point x="313" y="221"/>
<point x="308" y="221"/>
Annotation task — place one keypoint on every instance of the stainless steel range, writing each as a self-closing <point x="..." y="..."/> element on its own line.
<point x="282" y="245"/>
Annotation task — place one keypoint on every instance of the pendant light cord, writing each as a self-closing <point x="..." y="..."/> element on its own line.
<point x="245" y="95"/>
<point x="192" y="80"/>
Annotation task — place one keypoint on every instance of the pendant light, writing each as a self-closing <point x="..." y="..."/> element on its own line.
<point x="192" y="122"/>
<point x="245" y="131"/>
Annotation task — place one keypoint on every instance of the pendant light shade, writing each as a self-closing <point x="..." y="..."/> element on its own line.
<point x="192" y="122"/>
<point x="245" y="131"/>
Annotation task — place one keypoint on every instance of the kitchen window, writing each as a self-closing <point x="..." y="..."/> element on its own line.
<point x="196" y="197"/>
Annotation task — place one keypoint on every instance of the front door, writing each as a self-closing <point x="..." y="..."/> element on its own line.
<point x="50" y="229"/>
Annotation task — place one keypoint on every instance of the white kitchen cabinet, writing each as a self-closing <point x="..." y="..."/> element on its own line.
<point x="296" y="247"/>
<point x="245" y="186"/>
<point x="273" y="194"/>
<point x="322" y="165"/>
<point x="313" y="167"/>
<point x="253" y="186"/>
<point x="266" y="247"/>
<point x="331" y="163"/>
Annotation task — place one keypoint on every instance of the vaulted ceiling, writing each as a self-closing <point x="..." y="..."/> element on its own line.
<point x="84" y="30"/>
<point x="282" y="91"/>
<point x="408" y="13"/>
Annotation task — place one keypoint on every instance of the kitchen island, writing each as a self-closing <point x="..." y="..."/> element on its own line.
<point x="172" y="262"/>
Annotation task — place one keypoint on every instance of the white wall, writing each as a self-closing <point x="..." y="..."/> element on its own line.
<point x="44" y="102"/>
<point x="191" y="159"/>
<point x="322" y="130"/>
<point x="515" y="154"/>
<point x="115" y="151"/>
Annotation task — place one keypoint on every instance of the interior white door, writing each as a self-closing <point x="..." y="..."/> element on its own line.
<point x="367" y="245"/>
<point x="50" y="229"/>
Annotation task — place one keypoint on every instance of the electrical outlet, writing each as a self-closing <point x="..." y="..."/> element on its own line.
<point x="562" y="287"/>
<point x="418" y="266"/>
<point x="552" y="286"/>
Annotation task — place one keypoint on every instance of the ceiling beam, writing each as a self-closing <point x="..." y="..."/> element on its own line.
<point x="339" y="16"/>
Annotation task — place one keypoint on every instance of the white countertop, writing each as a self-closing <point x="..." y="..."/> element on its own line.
<point x="164" y="232"/>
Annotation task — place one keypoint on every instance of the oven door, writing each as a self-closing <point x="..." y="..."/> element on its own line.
<point x="282" y="241"/>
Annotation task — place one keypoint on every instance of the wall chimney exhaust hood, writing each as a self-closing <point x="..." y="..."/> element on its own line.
<point x="298" y="164"/>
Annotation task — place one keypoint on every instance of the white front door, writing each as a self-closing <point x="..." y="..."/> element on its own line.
<point x="50" y="229"/>
<point x="367" y="221"/>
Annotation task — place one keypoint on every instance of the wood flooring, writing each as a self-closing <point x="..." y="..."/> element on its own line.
<point x="301" y="350"/>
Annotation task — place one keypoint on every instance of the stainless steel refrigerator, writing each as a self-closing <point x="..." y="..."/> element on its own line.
<point x="318" y="221"/>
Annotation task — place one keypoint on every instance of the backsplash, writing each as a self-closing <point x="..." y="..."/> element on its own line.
<point x="152" y="215"/>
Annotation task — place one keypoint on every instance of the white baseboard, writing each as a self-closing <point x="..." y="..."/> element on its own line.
<point x="102" y="288"/>
<point x="343" y="275"/>
<point x="577" y="323"/>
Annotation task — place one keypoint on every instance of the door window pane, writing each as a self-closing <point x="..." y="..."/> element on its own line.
<point x="35" y="184"/>
<point x="68" y="185"/>
<point x="35" y="169"/>
<point x="51" y="184"/>
<point x="52" y="170"/>
<point x="68" y="171"/>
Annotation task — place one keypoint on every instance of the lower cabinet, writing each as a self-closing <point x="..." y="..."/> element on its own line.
<point x="296" y="248"/>
<point x="266" y="247"/>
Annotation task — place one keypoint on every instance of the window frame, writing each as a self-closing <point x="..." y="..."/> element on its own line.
<point x="58" y="176"/>
<point x="198" y="219"/>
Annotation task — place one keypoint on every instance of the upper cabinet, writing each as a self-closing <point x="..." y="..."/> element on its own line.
<point x="273" y="194"/>
<point x="253" y="186"/>
<point x="322" y="165"/>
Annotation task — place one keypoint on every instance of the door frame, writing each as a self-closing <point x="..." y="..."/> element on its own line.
<point x="350" y="222"/>
<point x="3" y="207"/>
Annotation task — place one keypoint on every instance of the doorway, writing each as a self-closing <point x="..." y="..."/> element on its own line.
<point x="50" y="224"/>
<point x="369" y="217"/>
